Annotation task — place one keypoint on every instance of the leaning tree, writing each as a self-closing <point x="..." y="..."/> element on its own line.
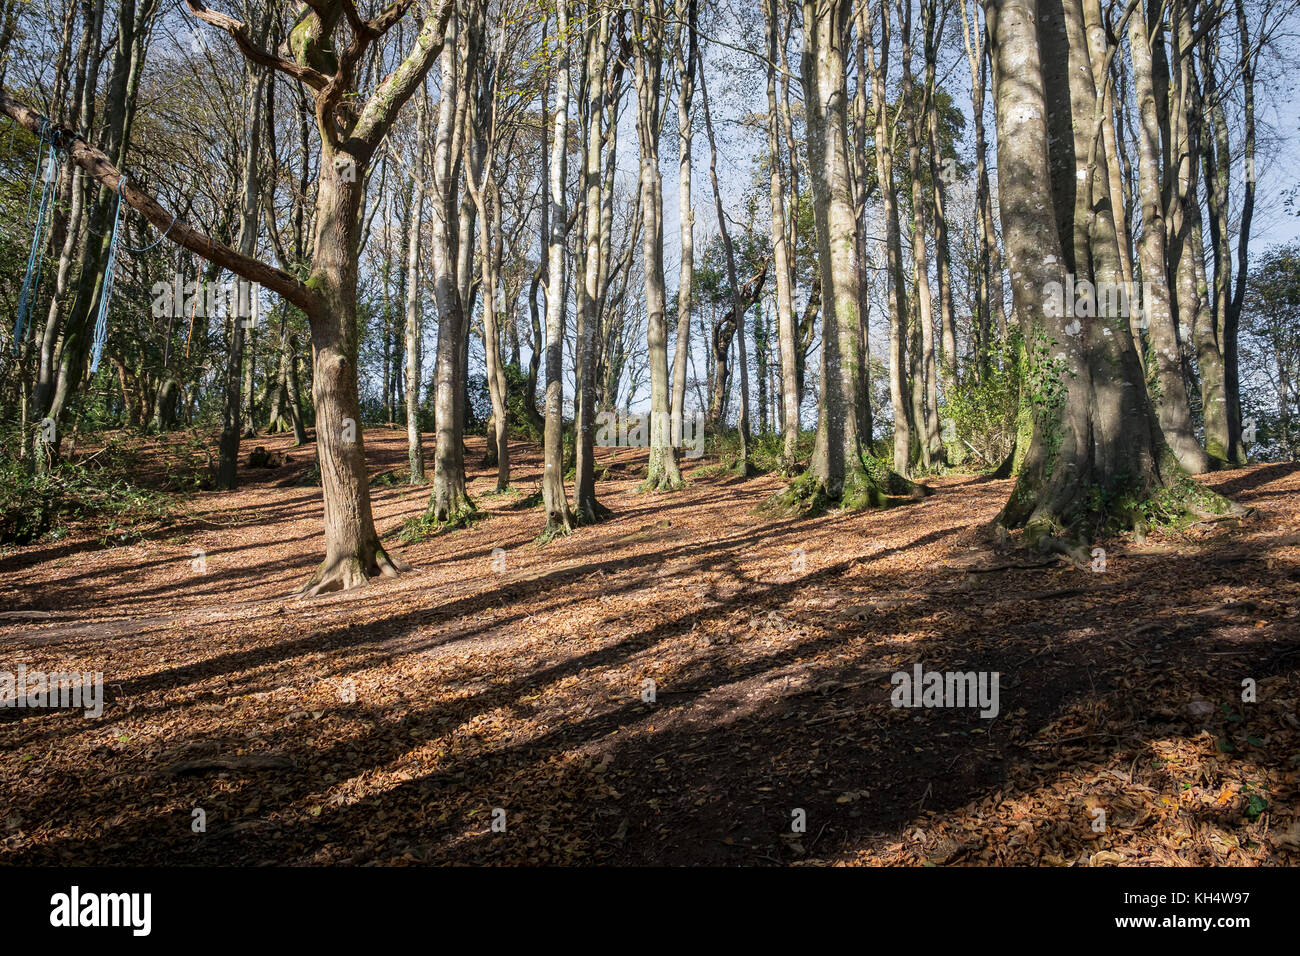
<point x="325" y="49"/>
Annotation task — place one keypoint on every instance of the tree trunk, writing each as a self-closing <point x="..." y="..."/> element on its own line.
<point x="648" y="21"/>
<point x="924" y="378"/>
<point x="233" y="419"/>
<point x="586" y="508"/>
<point x="1096" y="456"/>
<point x="685" y="63"/>
<point x="414" y="318"/>
<point x="449" y="502"/>
<point x="559" y="519"/>
<point x="1171" y="406"/>
<point x="782" y="256"/>
<point x="839" y="473"/>
<point x="352" y="549"/>
<point x="898" y="306"/>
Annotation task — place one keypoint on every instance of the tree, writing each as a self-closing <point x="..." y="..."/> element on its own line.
<point x="781" y="252"/>
<point x="648" y="25"/>
<point x="1097" y="455"/>
<point x="839" y="472"/>
<point x="558" y="516"/>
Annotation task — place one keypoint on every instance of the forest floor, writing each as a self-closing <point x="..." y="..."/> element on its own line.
<point x="386" y="725"/>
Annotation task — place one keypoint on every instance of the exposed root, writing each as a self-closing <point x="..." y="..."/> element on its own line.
<point x="661" y="482"/>
<point x="390" y="565"/>
<point x="436" y="521"/>
<point x="591" y="511"/>
<point x="556" y="525"/>
<point x="1045" y="537"/>
<point x="455" y="512"/>
<point x="1065" y="517"/>
<point x="871" y="484"/>
<point x="805" y="496"/>
<point x="352" y="571"/>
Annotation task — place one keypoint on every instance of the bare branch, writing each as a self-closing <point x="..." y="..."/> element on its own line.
<point x="97" y="165"/>
<point x="239" y="31"/>
<point x="382" y="107"/>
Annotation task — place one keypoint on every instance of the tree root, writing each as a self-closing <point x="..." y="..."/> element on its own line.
<point x="351" y="571"/>
<point x="871" y="484"/>
<point x="557" y="524"/>
<point x="433" y="522"/>
<point x="660" y="482"/>
<point x="590" y="512"/>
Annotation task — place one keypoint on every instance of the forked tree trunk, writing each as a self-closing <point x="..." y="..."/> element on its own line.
<point x="839" y="473"/>
<point x="1096" y="455"/>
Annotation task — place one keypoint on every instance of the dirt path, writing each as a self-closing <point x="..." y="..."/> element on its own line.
<point x="387" y="725"/>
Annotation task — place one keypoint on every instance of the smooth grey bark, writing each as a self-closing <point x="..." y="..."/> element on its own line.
<point x="1172" y="405"/>
<point x="414" y="325"/>
<point x="558" y="516"/>
<point x="648" y="21"/>
<point x="783" y="260"/>
<point x="593" y="264"/>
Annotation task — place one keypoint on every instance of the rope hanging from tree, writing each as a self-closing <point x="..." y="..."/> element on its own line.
<point x="35" y="260"/>
<point x="101" y="323"/>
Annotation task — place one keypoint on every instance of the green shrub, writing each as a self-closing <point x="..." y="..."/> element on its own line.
<point x="984" y="410"/>
<point x="96" y="494"/>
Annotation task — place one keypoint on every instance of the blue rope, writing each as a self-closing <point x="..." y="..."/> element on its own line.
<point x="36" y="261"/>
<point x="154" y="244"/>
<point x="31" y="193"/>
<point x="101" y="323"/>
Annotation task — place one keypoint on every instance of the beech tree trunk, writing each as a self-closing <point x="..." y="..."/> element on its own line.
<point x="1096" y="456"/>
<point x="781" y="254"/>
<point x="1171" y="406"/>
<point x="595" y="253"/>
<point x="649" y="24"/>
<point x="839" y="473"/>
<point x="554" y="500"/>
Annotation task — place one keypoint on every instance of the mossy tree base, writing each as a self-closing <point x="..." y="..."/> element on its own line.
<point x="660" y="482"/>
<point x="454" y="510"/>
<point x="346" y="572"/>
<point x="870" y="485"/>
<point x="437" y="521"/>
<point x="1065" y="517"/>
